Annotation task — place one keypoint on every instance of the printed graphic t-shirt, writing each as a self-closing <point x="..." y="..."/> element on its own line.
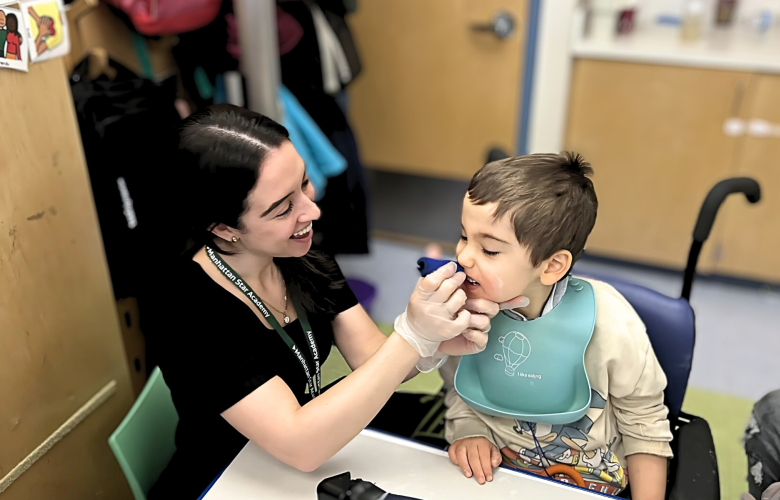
<point x="627" y="413"/>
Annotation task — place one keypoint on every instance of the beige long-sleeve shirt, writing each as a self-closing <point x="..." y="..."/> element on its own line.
<point x="627" y="413"/>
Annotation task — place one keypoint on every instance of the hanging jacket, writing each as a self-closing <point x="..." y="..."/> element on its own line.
<point x="322" y="160"/>
<point x="343" y="227"/>
<point x="129" y="130"/>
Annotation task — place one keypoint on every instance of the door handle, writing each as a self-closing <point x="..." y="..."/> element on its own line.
<point x="502" y="25"/>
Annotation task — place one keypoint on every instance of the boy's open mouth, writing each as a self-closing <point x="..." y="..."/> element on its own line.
<point x="471" y="283"/>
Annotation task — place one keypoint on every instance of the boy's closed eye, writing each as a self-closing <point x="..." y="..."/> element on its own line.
<point x="484" y="250"/>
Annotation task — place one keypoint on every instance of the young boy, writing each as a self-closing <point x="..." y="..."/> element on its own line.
<point x="525" y="221"/>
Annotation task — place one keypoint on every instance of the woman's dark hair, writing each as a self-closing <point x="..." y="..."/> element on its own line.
<point x="221" y="151"/>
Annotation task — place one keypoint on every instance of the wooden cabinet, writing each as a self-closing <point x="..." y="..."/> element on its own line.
<point x="59" y="336"/>
<point x="749" y="243"/>
<point x="435" y="95"/>
<point x="654" y="137"/>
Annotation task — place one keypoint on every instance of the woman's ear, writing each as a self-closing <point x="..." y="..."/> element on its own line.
<point x="225" y="232"/>
<point x="556" y="267"/>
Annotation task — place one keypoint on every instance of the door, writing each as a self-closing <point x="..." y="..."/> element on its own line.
<point x="60" y="343"/>
<point x="437" y="90"/>
<point x="654" y="137"/>
<point x="751" y="239"/>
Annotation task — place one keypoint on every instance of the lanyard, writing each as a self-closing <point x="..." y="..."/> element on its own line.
<point x="314" y="382"/>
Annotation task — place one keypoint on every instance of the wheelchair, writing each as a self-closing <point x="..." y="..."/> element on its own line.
<point x="693" y="472"/>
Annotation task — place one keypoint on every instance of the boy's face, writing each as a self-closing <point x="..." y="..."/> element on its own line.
<point x="497" y="267"/>
<point x="2" y="19"/>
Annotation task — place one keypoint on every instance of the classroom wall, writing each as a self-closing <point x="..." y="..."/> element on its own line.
<point x="60" y="343"/>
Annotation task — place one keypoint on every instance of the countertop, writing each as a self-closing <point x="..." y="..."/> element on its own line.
<point x="730" y="49"/>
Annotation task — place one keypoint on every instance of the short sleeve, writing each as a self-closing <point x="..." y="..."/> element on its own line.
<point x="344" y="298"/>
<point x="204" y="367"/>
<point x="336" y="288"/>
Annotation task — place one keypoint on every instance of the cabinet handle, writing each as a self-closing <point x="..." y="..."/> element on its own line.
<point x="762" y="128"/>
<point x="734" y="127"/>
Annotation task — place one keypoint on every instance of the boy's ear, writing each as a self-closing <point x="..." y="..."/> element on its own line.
<point x="556" y="267"/>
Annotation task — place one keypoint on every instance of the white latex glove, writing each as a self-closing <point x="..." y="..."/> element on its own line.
<point x="771" y="493"/>
<point x="475" y="338"/>
<point x="431" y="363"/>
<point x="434" y="312"/>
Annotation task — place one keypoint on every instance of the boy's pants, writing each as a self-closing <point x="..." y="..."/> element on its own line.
<point x="762" y="444"/>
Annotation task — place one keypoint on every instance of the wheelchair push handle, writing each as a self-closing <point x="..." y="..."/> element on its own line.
<point x="715" y="199"/>
<point x="709" y="209"/>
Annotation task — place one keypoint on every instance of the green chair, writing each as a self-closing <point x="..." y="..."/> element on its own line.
<point x="144" y="442"/>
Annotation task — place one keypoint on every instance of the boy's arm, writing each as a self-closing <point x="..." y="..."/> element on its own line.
<point x="639" y="410"/>
<point x="463" y="422"/>
<point x="642" y="422"/>
<point x="648" y="476"/>
<point x="473" y="445"/>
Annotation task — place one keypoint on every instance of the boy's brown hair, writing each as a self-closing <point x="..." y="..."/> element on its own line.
<point x="549" y="197"/>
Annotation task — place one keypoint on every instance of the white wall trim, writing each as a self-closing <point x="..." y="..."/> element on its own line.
<point x="559" y="20"/>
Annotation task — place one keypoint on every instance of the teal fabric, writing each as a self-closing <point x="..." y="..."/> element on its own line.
<point x="141" y="50"/>
<point x="534" y="370"/>
<point x="145" y="440"/>
<point x="322" y="160"/>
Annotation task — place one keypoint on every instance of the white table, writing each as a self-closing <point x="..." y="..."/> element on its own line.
<point x="396" y="465"/>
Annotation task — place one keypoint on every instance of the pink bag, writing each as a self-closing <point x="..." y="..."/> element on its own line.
<point x="168" y="17"/>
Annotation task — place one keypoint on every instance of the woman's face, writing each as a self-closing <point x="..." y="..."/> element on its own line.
<point x="278" y="219"/>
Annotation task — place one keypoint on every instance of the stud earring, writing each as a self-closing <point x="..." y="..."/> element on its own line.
<point x="235" y="239"/>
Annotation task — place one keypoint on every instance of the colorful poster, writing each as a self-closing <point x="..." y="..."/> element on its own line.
<point x="47" y="29"/>
<point x="13" y="40"/>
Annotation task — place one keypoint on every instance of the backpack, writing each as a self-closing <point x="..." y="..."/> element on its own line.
<point x="168" y="17"/>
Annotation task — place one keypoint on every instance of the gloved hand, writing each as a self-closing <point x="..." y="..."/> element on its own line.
<point x="431" y="363"/>
<point x="771" y="493"/>
<point x="434" y="312"/>
<point x="475" y="339"/>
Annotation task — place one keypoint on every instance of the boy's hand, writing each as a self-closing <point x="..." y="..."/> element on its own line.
<point x="475" y="454"/>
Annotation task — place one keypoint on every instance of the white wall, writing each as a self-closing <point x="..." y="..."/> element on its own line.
<point x="550" y="92"/>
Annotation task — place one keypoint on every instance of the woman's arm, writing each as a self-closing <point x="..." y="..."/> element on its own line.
<point x="306" y="436"/>
<point x="358" y="337"/>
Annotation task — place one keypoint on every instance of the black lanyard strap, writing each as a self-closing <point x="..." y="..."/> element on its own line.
<point x="313" y="382"/>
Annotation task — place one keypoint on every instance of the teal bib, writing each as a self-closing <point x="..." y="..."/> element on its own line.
<point x="534" y="371"/>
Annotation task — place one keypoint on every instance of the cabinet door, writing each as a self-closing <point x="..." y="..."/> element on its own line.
<point x="654" y="137"/>
<point x="435" y="95"/>
<point x="751" y="236"/>
<point x="59" y="335"/>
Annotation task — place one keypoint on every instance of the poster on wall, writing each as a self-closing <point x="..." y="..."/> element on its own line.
<point x="13" y="48"/>
<point x="47" y="29"/>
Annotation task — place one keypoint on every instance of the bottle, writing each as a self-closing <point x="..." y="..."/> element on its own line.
<point x="724" y="14"/>
<point x="692" y="20"/>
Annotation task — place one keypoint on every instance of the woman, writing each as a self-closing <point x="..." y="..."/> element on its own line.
<point x="239" y="370"/>
<point x="13" y="38"/>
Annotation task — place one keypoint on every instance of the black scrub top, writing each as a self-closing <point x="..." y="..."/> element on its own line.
<point x="213" y="351"/>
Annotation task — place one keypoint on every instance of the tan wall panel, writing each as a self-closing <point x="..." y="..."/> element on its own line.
<point x="751" y="236"/>
<point x="60" y="341"/>
<point x="654" y="136"/>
